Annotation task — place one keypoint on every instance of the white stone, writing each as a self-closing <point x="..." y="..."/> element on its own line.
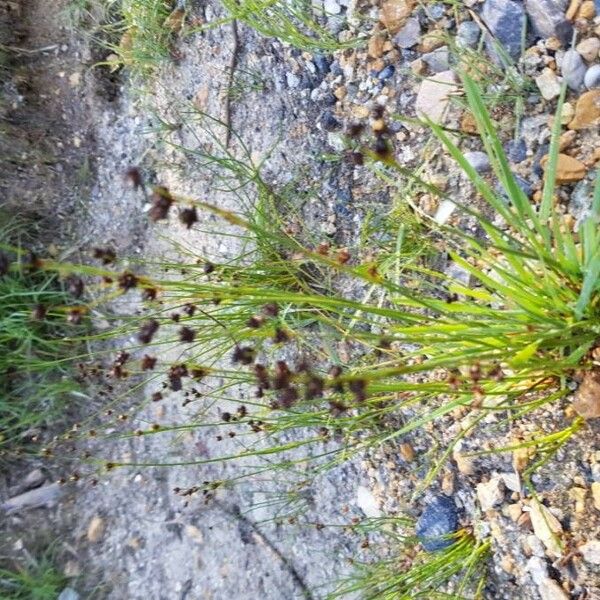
<point x="332" y="7"/>
<point x="367" y="502"/>
<point x="444" y="212"/>
<point x="434" y="95"/>
<point x="548" y="84"/>
<point x="512" y="481"/>
<point x="490" y="494"/>
<point x="546" y="527"/>
<point x="550" y="590"/>
<point x="591" y="552"/>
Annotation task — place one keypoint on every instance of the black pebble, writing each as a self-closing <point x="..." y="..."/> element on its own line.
<point x="439" y="520"/>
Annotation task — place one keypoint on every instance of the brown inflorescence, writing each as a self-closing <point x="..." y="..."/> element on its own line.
<point x="147" y="331"/>
<point x="161" y="203"/>
<point x="106" y="255"/>
<point x="148" y="362"/>
<point x="188" y="216"/>
<point x="243" y="355"/>
<point x="127" y="281"/>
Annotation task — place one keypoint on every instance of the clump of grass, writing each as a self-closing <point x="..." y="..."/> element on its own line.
<point x="291" y="21"/>
<point x="143" y="31"/>
<point x="144" y="39"/>
<point x="504" y="344"/>
<point x="459" y="568"/>
<point x="38" y="580"/>
<point x="35" y="379"/>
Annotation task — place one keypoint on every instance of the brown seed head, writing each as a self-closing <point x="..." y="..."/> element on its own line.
<point x="75" y="286"/>
<point x="188" y="216"/>
<point x="127" y="280"/>
<point x="187" y="335"/>
<point x="133" y="176"/>
<point x="147" y="331"/>
<point x="270" y="309"/>
<point x="161" y="203"/>
<point x="244" y="355"/>
<point x="105" y="255"/>
<point x="148" y="362"/>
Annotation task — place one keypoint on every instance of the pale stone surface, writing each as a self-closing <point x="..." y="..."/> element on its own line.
<point x="546" y="528"/>
<point x="591" y="552"/>
<point x="434" y="95"/>
<point x="490" y="494"/>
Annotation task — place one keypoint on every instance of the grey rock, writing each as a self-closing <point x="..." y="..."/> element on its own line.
<point x="505" y="18"/>
<point x="580" y="202"/>
<point x="537" y="569"/>
<point x="322" y="63"/>
<point x="46" y="495"/>
<point x="68" y="594"/>
<point x="467" y="34"/>
<point x="386" y="72"/>
<point x="409" y="35"/>
<point x="592" y="77"/>
<point x="332" y="7"/>
<point x="438" y="521"/>
<point x="438" y="60"/>
<point x="516" y="150"/>
<point x="292" y="80"/>
<point x="573" y="69"/>
<point x="591" y="552"/>
<point x="435" y="11"/>
<point x="548" y="18"/>
<point x="329" y="122"/>
<point x="478" y="160"/>
<point x="525" y="186"/>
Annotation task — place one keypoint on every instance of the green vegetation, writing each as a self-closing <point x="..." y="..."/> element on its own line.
<point x="416" y="574"/>
<point x="35" y="380"/>
<point x="39" y="580"/>
<point x="143" y="33"/>
<point x="294" y="22"/>
<point x="422" y="344"/>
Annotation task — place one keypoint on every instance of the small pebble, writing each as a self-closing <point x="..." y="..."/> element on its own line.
<point x="438" y="520"/>
<point x="292" y="80"/>
<point x="438" y="60"/>
<point x="467" y="34"/>
<point x="573" y="69"/>
<point x="435" y="11"/>
<point x="516" y="150"/>
<point x="478" y="160"/>
<point x="329" y="122"/>
<point x="409" y="35"/>
<point x="332" y="7"/>
<point x="589" y="48"/>
<point x="322" y="63"/>
<point x="386" y="73"/>
<point x="592" y="77"/>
